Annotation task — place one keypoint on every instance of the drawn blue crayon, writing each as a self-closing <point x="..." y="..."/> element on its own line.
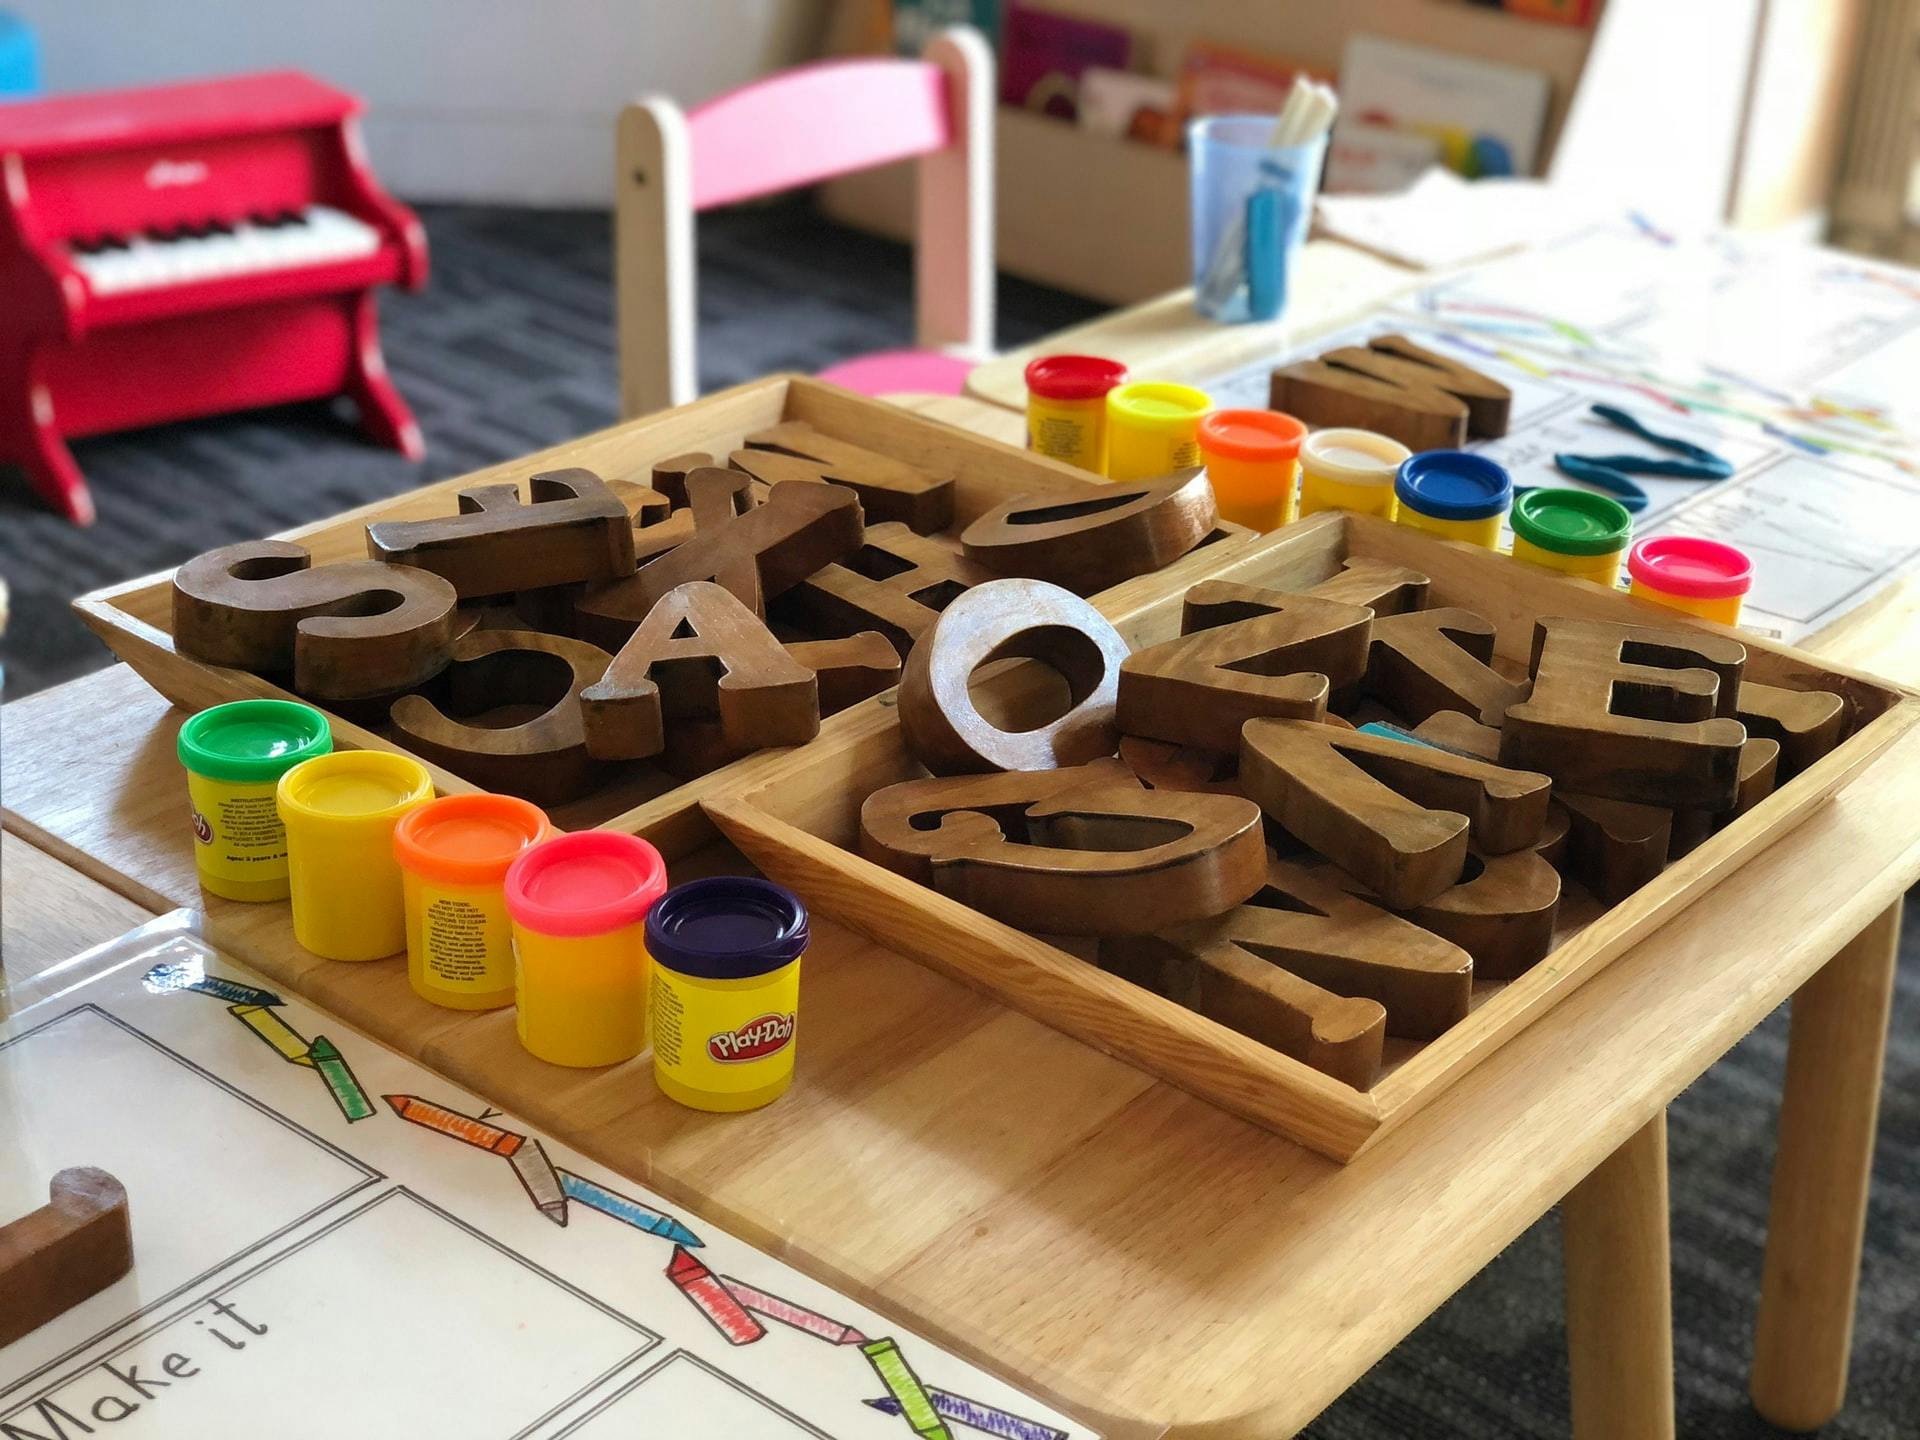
<point x="625" y="1207"/>
<point x="962" y="1411"/>
<point x="187" y="975"/>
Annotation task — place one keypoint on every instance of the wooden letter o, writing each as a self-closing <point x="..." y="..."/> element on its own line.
<point x="1000" y="620"/>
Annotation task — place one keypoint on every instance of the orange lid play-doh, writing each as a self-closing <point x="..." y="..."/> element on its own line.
<point x="1262" y="436"/>
<point x="468" y="839"/>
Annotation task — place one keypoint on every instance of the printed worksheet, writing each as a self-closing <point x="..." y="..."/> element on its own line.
<point x="330" y="1240"/>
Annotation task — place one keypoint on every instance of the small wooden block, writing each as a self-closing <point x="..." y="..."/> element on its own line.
<point x="1000" y="620"/>
<point x="1382" y="588"/>
<point x="889" y="489"/>
<point x="756" y="551"/>
<point x="1091" y="542"/>
<point x="670" y="475"/>
<point x="1436" y="660"/>
<point x="1489" y="403"/>
<point x="700" y="655"/>
<point x="343" y="632"/>
<point x="575" y="529"/>
<point x="1631" y="712"/>
<point x="1394" y="815"/>
<point x="897" y="583"/>
<point x="1502" y="911"/>
<point x="849" y="669"/>
<point x="1807" y="723"/>
<point x="499" y="676"/>
<point x="1246" y="653"/>
<point x="1614" y="846"/>
<point x="71" y="1248"/>
<point x="1759" y="773"/>
<point x="1462" y="734"/>
<point x="1326" y="394"/>
<point x="1079" y="851"/>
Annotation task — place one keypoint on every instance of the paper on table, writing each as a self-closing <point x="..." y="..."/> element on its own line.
<point x="435" y="1268"/>
<point x="1442" y="220"/>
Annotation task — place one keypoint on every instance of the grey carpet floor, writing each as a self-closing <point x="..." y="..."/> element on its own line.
<point x="510" y="349"/>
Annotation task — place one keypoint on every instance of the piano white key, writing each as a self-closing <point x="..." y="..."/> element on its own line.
<point x="321" y="236"/>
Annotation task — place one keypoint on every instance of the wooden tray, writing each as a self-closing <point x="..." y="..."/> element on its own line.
<point x="798" y="821"/>
<point x="135" y="618"/>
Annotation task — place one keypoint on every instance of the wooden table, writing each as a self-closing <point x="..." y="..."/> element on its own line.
<point x="1839" y="1021"/>
<point x="1034" y="1204"/>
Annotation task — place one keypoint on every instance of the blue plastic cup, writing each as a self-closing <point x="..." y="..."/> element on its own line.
<point x="1251" y="206"/>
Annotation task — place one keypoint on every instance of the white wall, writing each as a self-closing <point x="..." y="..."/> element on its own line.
<point x="501" y="100"/>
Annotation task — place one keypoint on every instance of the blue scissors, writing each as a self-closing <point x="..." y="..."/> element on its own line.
<point x="1613" y="473"/>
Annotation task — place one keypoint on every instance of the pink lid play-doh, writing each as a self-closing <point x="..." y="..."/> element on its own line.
<point x="586" y="883"/>
<point x="1690" y="567"/>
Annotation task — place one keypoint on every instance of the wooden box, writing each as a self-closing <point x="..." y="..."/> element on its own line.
<point x="134" y="619"/>
<point x="799" y="823"/>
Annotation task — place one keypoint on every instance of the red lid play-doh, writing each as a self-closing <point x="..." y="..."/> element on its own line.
<point x="586" y="883"/>
<point x="1690" y="567"/>
<point x="1073" y="377"/>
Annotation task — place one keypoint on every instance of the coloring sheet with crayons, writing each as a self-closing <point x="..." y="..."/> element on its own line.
<point x="1795" y="364"/>
<point x="329" y="1240"/>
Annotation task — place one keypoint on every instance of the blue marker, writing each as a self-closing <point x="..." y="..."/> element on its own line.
<point x="189" y="975"/>
<point x="962" y="1411"/>
<point x="622" y="1207"/>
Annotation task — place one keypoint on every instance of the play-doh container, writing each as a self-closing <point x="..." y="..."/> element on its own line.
<point x="1573" y="531"/>
<point x="1685" y="572"/>
<point x="1152" y="428"/>
<point x="1454" y="494"/>
<point x="726" y="991"/>
<point x="579" y="905"/>
<point x="1345" y="469"/>
<point x="234" y="756"/>
<point x="340" y="811"/>
<point x="1253" y="459"/>
<point x="1067" y="408"/>
<point x="454" y="854"/>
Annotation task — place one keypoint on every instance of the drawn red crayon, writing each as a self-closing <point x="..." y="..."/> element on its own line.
<point x="703" y="1288"/>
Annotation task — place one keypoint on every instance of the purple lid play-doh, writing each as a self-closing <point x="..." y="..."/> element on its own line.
<point x="729" y="927"/>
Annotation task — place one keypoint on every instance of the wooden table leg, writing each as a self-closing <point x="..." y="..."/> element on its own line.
<point x="1619" y="1298"/>
<point x="1835" y="1048"/>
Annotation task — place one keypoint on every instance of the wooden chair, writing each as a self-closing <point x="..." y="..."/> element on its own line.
<point x="797" y="128"/>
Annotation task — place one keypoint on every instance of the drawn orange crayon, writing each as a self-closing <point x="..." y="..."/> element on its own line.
<point x="712" y="1299"/>
<point x="476" y="1133"/>
<point x="773" y="1307"/>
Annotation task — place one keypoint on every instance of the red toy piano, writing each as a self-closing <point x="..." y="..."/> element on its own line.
<point x="185" y="250"/>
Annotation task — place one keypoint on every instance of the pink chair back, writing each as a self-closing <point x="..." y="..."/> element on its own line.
<point x="813" y="123"/>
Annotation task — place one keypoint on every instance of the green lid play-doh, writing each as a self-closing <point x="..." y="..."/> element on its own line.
<point x="1571" y="522"/>
<point x="253" y="741"/>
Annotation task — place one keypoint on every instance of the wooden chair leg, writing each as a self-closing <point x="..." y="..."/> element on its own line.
<point x="1835" y="1048"/>
<point x="1619" y="1298"/>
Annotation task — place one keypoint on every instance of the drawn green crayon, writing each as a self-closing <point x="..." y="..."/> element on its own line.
<point x="325" y="1057"/>
<point x="894" y="1372"/>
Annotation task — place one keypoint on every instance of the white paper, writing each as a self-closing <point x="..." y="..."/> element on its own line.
<point x="298" y="1273"/>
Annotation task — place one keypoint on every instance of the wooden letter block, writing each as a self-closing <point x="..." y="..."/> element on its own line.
<point x="1759" y="773"/>
<point x="1162" y="765"/>
<point x="1435" y="660"/>
<point x="526" y="686"/>
<point x="1807" y="723"/>
<point x="576" y="529"/>
<point x="699" y="655"/>
<point x="1382" y="588"/>
<point x="74" y="1246"/>
<point x="670" y="475"/>
<point x="889" y="489"/>
<point x="1629" y="712"/>
<point x="755" y="551"/>
<point x="1614" y="846"/>
<point x="897" y="583"/>
<point x="1000" y="620"/>
<point x="1279" y="660"/>
<point x="849" y="669"/>
<point x="1501" y="913"/>
<point x="1462" y="734"/>
<point x="1394" y="815"/>
<point x="1088" y="543"/>
<point x="1081" y="851"/>
<point x="343" y="632"/>
<point x="1423" y="400"/>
